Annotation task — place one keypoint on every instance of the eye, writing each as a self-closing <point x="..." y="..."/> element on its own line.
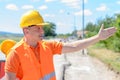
<point x="38" y="28"/>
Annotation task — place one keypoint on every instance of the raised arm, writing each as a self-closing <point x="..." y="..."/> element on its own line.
<point x="81" y="44"/>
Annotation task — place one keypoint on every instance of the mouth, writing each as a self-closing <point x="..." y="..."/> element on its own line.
<point x="41" y="36"/>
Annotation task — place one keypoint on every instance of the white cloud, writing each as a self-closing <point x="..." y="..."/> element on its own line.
<point x="60" y="24"/>
<point x="117" y="12"/>
<point x="63" y="28"/>
<point x="35" y="0"/>
<point x="118" y="2"/>
<point x="43" y="7"/>
<point x="85" y="1"/>
<point x="72" y="3"/>
<point x="27" y="7"/>
<point x="61" y="11"/>
<point x="87" y="12"/>
<point x="2" y="0"/>
<point x="49" y="0"/>
<point x="12" y="7"/>
<point x="49" y="15"/>
<point x="102" y="7"/>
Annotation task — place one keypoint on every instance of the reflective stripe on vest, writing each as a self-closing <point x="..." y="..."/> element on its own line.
<point x="48" y="76"/>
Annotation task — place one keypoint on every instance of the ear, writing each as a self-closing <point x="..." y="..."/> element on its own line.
<point x="25" y="31"/>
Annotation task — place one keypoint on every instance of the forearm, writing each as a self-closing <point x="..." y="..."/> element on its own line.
<point x="80" y="44"/>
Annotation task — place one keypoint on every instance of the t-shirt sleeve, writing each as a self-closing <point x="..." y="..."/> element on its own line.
<point x="12" y="62"/>
<point x="56" y="47"/>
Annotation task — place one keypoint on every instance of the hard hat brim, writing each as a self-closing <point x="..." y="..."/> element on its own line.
<point x="42" y="24"/>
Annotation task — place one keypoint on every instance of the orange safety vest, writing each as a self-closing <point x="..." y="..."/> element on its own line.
<point x="32" y="69"/>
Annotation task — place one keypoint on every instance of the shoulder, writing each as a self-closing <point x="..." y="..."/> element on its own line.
<point x="18" y="44"/>
<point x="50" y="42"/>
<point x="15" y="49"/>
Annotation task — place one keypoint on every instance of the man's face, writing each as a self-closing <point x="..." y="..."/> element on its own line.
<point x="36" y="32"/>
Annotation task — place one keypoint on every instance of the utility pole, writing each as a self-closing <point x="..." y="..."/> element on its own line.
<point x="82" y="19"/>
<point x="83" y="23"/>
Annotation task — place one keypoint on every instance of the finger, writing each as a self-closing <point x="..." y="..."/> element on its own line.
<point x="102" y="27"/>
<point x="111" y="29"/>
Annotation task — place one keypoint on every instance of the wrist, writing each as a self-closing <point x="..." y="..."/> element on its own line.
<point x="98" y="37"/>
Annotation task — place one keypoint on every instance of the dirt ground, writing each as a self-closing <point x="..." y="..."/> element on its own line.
<point x="76" y="66"/>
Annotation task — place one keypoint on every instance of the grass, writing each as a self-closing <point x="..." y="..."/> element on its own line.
<point x="13" y="38"/>
<point x="111" y="58"/>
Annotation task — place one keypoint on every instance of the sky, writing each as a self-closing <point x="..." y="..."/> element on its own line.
<point x="65" y="14"/>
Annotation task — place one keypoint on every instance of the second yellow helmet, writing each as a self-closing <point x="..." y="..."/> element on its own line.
<point x="6" y="45"/>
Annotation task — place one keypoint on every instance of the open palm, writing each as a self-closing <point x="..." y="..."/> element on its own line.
<point x="106" y="33"/>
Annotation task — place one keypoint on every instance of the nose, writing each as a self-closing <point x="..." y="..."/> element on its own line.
<point x="41" y="30"/>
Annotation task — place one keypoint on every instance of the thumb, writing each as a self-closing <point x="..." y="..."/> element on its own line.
<point x="102" y="27"/>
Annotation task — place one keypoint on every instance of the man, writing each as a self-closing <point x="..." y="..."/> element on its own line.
<point x="32" y="57"/>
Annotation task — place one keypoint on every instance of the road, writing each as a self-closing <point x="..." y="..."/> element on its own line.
<point x="76" y="66"/>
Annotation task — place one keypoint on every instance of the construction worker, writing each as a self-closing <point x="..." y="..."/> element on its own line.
<point x="32" y="58"/>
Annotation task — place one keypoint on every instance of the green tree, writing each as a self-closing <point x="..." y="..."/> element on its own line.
<point x="112" y="42"/>
<point x="90" y="27"/>
<point x="49" y="30"/>
<point x="117" y="35"/>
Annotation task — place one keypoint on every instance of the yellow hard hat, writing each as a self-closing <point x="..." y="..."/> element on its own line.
<point x="6" y="45"/>
<point x="31" y="17"/>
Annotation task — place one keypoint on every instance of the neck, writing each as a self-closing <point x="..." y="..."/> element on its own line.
<point x="31" y="42"/>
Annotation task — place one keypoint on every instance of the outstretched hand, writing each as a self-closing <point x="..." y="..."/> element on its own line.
<point x="106" y="33"/>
